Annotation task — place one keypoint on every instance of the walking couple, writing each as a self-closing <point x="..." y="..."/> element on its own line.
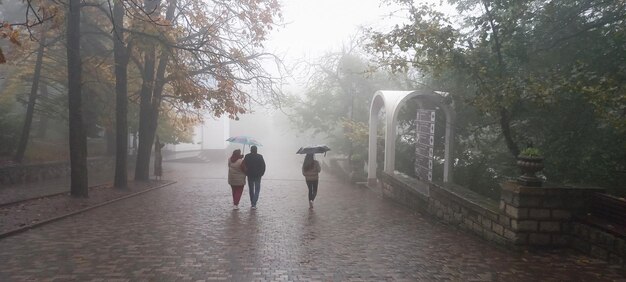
<point x="253" y="166"/>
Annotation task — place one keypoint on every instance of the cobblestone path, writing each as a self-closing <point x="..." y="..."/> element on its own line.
<point x="188" y="232"/>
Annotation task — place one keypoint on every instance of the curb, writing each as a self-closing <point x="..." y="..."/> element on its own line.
<point x="50" y="220"/>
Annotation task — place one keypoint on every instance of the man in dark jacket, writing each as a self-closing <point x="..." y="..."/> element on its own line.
<point x="254" y="168"/>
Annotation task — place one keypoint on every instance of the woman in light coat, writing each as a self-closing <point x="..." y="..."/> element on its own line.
<point x="236" y="176"/>
<point x="311" y="171"/>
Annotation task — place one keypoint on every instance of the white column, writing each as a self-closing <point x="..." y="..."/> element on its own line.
<point x="390" y="140"/>
<point x="373" y="129"/>
<point x="449" y="145"/>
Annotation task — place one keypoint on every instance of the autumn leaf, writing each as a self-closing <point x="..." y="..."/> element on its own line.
<point x="13" y="37"/>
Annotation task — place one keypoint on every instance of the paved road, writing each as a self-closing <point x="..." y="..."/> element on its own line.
<point x="188" y="232"/>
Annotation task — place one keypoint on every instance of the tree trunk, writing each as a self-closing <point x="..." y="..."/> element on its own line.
<point x="146" y="135"/>
<point x="109" y="136"/>
<point x="505" y="118"/>
<point x="150" y="107"/>
<point x="160" y="74"/>
<point x="77" y="137"/>
<point x="43" y="120"/>
<point x="505" y="125"/>
<point x="32" y="98"/>
<point x="121" y="98"/>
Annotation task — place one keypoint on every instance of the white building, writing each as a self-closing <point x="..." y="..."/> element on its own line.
<point x="211" y="135"/>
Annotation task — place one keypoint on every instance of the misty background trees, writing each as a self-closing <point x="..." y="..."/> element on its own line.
<point x="546" y="73"/>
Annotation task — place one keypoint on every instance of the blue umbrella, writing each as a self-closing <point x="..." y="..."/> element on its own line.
<point x="245" y="140"/>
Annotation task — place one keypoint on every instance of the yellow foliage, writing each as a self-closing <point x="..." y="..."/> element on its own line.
<point x="14" y="37"/>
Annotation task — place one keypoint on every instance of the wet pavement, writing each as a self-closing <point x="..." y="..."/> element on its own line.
<point x="189" y="232"/>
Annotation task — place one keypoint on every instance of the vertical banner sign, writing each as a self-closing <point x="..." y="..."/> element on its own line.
<point x="425" y="128"/>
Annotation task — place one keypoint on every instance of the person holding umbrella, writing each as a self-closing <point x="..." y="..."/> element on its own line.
<point x="311" y="171"/>
<point x="311" y="168"/>
<point x="254" y="167"/>
<point x="236" y="176"/>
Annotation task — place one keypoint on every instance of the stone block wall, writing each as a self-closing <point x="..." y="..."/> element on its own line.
<point x="479" y="217"/>
<point x="525" y="216"/>
<point x="402" y="192"/>
<point x="598" y="243"/>
<point x="540" y="216"/>
<point x="452" y="204"/>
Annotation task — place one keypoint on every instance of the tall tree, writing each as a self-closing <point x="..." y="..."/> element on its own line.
<point x="121" y="56"/>
<point x="43" y="119"/>
<point x="203" y="56"/>
<point x="77" y="136"/>
<point x="32" y="98"/>
<point x="146" y="109"/>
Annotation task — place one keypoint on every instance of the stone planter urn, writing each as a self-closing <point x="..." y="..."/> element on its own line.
<point x="530" y="165"/>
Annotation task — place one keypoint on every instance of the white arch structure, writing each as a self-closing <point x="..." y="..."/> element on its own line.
<point x="392" y="101"/>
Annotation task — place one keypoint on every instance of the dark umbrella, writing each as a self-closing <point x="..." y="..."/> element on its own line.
<point x="318" y="149"/>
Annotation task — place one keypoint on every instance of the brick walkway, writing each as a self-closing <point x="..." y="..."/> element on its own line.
<point x="189" y="232"/>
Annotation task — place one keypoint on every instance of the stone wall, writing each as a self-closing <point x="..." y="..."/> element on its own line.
<point x="405" y="191"/>
<point x="21" y="174"/>
<point x="525" y="217"/>
<point x="598" y="243"/>
<point x="539" y="216"/>
<point x="479" y="216"/>
<point x="452" y="204"/>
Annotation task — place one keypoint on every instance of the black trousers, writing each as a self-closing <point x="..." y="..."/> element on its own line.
<point x="312" y="184"/>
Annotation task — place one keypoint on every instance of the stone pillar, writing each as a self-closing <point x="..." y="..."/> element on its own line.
<point x="539" y="216"/>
